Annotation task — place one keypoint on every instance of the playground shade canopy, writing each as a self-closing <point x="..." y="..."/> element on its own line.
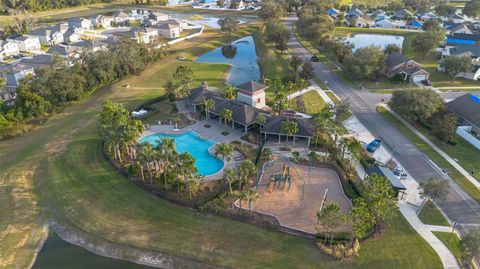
<point x="385" y="172"/>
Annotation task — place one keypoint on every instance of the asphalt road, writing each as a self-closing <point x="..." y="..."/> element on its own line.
<point x="458" y="204"/>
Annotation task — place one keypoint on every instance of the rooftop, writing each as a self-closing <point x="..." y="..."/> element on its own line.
<point x="466" y="107"/>
<point x="251" y="86"/>
<point x="386" y="172"/>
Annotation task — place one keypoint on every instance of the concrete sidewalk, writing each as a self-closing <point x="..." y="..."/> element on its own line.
<point x="437" y="149"/>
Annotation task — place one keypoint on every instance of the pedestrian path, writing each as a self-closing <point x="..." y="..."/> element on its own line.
<point x="437" y="149"/>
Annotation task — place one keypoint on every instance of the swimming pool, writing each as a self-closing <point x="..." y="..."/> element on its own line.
<point x="190" y="142"/>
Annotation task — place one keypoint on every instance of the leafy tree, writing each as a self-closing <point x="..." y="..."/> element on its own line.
<point x="329" y="218"/>
<point x="170" y="88"/>
<point x="472" y="9"/>
<point x="280" y="103"/>
<point x="230" y="92"/>
<point x="361" y="218"/>
<point x="470" y="244"/>
<point x="315" y="25"/>
<point x="289" y="127"/>
<point x="295" y="62"/>
<point x="340" y="109"/>
<point x="224" y="151"/>
<point x="416" y="104"/>
<point x="183" y="76"/>
<point x="365" y="63"/>
<point x="444" y="9"/>
<point x="444" y="126"/>
<point x="455" y="65"/>
<point x="29" y="103"/>
<point x="271" y="10"/>
<point x="390" y="48"/>
<point x="307" y="71"/>
<point x="433" y="189"/>
<point x="380" y="197"/>
<point x="192" y="186"/>
<point x="221" y="3"/>
<point x="429" y="40"/>
<point x="228" y="25"/>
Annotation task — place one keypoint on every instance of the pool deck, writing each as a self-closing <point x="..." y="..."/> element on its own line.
<point x="212" y="133"/>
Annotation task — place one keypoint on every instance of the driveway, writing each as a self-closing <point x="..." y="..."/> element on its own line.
<point x="458" y="204"/>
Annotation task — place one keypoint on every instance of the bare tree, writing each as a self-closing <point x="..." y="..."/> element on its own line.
<point x="23" y="21"/>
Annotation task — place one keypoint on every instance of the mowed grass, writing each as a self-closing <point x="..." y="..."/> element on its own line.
<point x="431" y="215"/>
<point x="71" y="176"/>
<point x="453" y="244"/>
<point x="313" y="103"/>
<point x="463" y="182"/>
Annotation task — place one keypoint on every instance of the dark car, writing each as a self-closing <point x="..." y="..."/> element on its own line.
<point x="314" y="58"/>
<point x="427" y="82"/>
<point x="374" y="145"/>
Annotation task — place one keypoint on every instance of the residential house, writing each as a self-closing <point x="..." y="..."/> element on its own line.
<point x="158" y="16"/>
<point x="102" y="21"/>
<point x="141" y="34"/>
<point x="378" y="14"/>
<point x="26" y="43"/>
<point x="80" y="24"/>
<point x="47" y="37"/>
<point x="66" y="52"/>
<point x="359" y="22"/>
<point x="167" y="30"/>
<point x="463" y="39"/>
<point x="252" y="93"/>
<point x="8" y="49"/>
<point x="428" y="16"/>
<point x="456" y="28"/>
<point x="354" y="13"/>
<point x="402" y="14"/>
<point x="182" y="24"/>
<point x="13" y="74"/>
<point x="71" y="36"/>
<point x="397" y="64"/>
<point x="388" y="24"/>
<point x="333" y="12"/>
<point x="138" y="14"/>
<point x="456" y="18"/>
<point x="471" y="51"/>
<point x="42" y="61"/>
<point x="414" y="25"/>
<point x="62" y="28"/>
<point x="88" y="46"/>
<point x="120" y="18"/>
<point x="467" y="110"/>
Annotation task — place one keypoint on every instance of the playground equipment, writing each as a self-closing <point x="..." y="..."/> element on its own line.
<point x="283" y="180"/>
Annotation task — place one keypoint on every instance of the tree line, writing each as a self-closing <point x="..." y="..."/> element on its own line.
<point x="39" y="5"/>
<point x="56" y="85"/>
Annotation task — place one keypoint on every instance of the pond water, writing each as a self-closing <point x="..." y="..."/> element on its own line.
<point x="365" y="40"/>
<point x="244" y="66"/>
<point x="190" y="142"/>
<point x="59" y="254"/>
<point x="212" y="22"/>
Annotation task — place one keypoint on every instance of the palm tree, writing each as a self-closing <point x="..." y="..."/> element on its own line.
<point x="146" y="155"/>
<point x="167" y="148"/>
<point x="224" y="151"/>
<point x="354" y="146"/>
<point x="192" y="186"/>
<point x="289" y="127"/>
<point x="227" y="115"/>
<point x="260" y="119"/>
<point x="268" y="153"/>
<point x="343" y="145"/>
<point x="290" y="87"/>
<point x="244" y="171"/>
<point x="229" y="91"/>
<point x="229" y="176"/>
<point x="280" y="103"/>
<point x="228" y="25"/>
<point x="207" y="105"/>
<point x="251" y="195"/>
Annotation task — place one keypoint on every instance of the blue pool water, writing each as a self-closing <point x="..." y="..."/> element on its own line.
<point x="244" y="65"/>
<point x="365" y="40"/>
<point x="190" y="142"/>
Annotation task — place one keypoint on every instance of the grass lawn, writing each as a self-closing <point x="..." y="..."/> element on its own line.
<point x="431" y="215"/>
<point x="453" y="244"/>
<point x="432" y="154"/>
<point x="310" y="103"/>
<point x="60" y="166"/>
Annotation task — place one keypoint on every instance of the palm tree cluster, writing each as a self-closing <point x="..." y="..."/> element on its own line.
<point x="241" y="174"/>
<point x="151" y="164"/>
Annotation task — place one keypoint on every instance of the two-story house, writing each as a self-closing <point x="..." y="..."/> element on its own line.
<point x="26" y="43"/>
<point x="8" y="49"/>
<point x="48" y="37"/>
<point x="80" y="24"/>
<point x="167" y="30"/>
<point x="102" y="21"/>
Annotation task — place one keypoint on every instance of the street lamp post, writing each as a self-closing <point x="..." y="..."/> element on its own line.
<point x="455" y="221"/>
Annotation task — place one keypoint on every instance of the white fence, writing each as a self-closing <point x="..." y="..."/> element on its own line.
<point x="464" y="132"/>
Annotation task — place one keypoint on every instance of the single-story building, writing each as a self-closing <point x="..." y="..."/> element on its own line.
<point x="388" y="24"/>
<point x="397" y="64"/>
<point x="467" y="110"/>
<point x="359" y="22"/>
<point x="463" y="39"/>
<point x="402" y="14"/>
<point x="272" y="131"/>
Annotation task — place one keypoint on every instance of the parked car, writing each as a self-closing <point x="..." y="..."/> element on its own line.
<point x="314" y="58"/>
<point x="374" y="145"/>
<point x="400" y="172"/>
<point x="427" y="82"/>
